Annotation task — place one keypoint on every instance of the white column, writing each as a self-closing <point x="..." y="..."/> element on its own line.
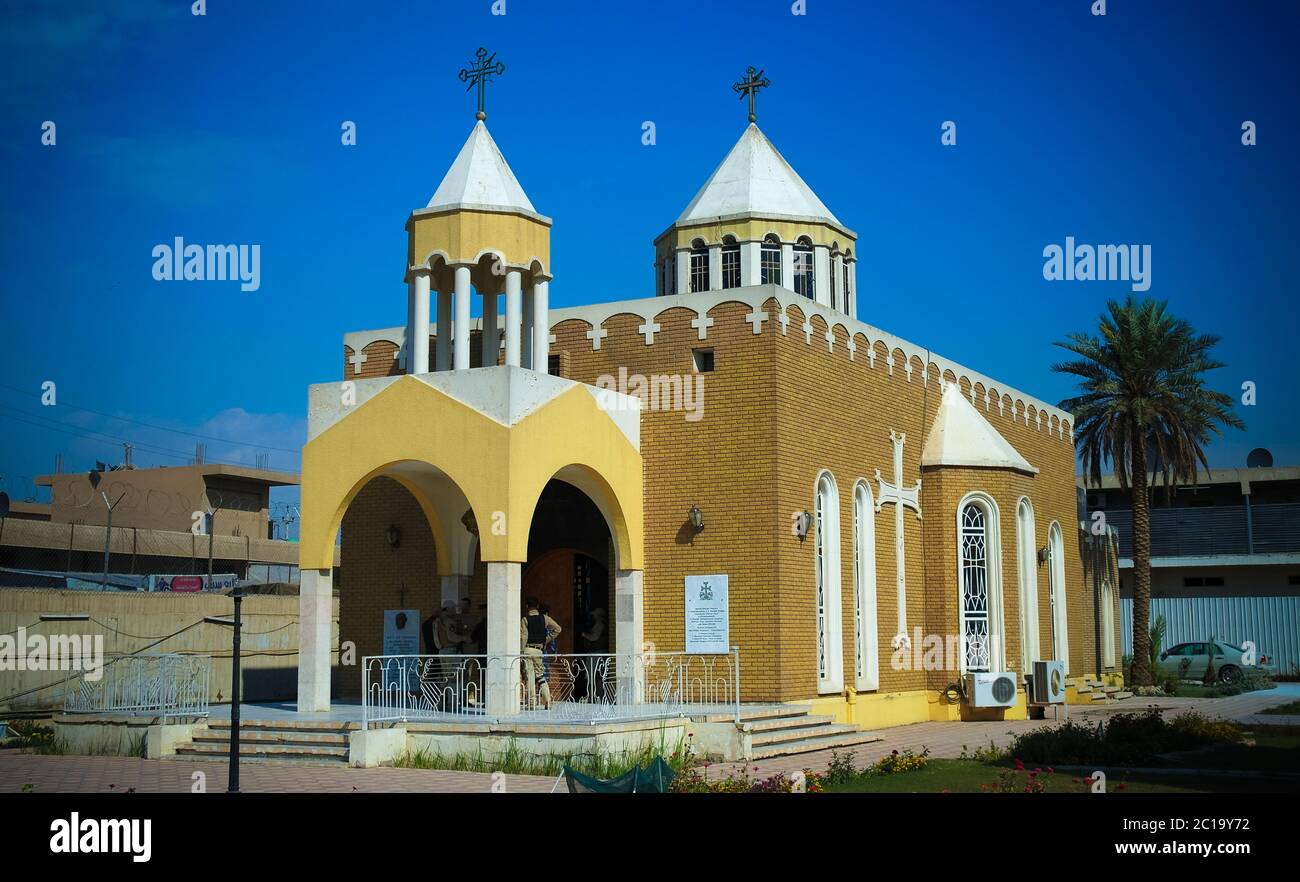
<point x="853" y="288"/>
<point x="541" y="326"/>
<point x="787" y="266"/>
<point x="751" y="266"/>
<point x="491" y="339"/>
<point x="454" y="587"/>
<point x="503" y="615"/>
<point x="837" y="283"/>
<point x="442" y="355"/>
<point x="526" y="343"/>
<point x="822" y="274"/>
<point x="461" y="357"/>
<point x="514" y="309"/>
<point x="629" y="633"/>
<point x="417" y="347"/>
<point x="715" y="267"/>
<point x="315" y="644"/>
<point x="683" y="279"/>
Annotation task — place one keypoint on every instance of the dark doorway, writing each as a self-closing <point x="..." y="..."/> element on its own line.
<point x="568" y="567"/>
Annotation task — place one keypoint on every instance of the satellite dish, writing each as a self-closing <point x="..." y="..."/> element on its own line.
<point x="4" y="504"/>
<point x="1259" y="458"/>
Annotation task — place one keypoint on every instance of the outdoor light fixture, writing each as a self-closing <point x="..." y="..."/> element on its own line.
<point x="1044" y="553"/>
<point x="802" y="522"/>
<point x="393" y="535"/>
<point x="697" y="518"/>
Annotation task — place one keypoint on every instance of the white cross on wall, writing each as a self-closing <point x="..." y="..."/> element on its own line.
<point x="909" y="497"/>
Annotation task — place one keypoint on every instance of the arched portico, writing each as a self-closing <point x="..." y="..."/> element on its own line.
<point x="472" y="447"/>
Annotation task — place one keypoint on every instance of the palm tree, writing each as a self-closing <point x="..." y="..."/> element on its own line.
<point x="1144" y="409"/>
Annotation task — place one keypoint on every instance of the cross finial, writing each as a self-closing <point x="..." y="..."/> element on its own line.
<point x="480" y="73"/>
<point x="753" y="81"/>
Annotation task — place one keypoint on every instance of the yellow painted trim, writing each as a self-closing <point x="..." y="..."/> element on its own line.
<point x="464" y="236"/>
<point x="500" y="470"/>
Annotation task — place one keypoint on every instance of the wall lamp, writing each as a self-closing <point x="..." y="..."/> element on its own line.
<point x="1044" y="553"/>
<point x="696" y="517"/>
<point x="393" y="535"/>
<point x="802" y="521"/>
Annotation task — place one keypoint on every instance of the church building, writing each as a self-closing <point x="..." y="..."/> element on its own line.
<point x="878" y="522"/>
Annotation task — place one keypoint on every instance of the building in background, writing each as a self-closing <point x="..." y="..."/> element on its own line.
<point x="1225" y="558"/>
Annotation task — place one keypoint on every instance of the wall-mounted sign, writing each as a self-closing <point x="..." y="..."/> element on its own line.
<point x="708" y="623"/>
<point x="401" y="637"/>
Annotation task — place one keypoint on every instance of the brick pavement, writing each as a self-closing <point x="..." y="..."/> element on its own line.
<point x="98" y="774"/>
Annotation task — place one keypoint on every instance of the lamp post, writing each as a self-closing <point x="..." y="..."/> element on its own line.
<point x="233" y="784"/>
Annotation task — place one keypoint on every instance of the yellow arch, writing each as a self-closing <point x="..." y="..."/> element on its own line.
<point x="499" y="469"/>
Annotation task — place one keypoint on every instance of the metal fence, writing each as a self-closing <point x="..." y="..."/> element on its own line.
<point x="1271" y="623"/>
<point x="166" y="684"/>
<point x="551" y="688"/>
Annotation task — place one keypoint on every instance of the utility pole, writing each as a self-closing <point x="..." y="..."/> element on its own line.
<point x="233" y="785"/>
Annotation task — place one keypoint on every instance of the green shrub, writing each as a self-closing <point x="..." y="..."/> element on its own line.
<point x="907" y="761"/>
<point x="1125" y="740"/>
<point x="841" y="770"/>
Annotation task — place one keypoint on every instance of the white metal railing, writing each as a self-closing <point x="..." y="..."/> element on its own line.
<point x="168" y="684"/>
<point x="586" y="687"/>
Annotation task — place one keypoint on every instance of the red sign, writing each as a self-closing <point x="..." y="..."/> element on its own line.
<point x="187" y="583"/>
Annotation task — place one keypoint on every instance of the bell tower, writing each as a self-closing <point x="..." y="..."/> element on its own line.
<point x="479" y="233"/>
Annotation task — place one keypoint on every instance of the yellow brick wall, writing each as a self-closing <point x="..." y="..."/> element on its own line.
<point x="777" y="411"/>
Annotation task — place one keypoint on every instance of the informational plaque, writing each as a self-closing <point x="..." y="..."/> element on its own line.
<point x="401" y="637"/>
<point x="708" y="625"/>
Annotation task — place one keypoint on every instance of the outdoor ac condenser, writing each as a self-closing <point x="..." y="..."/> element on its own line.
<point x="1049" y="682"/>
<point x="991" y="690"/>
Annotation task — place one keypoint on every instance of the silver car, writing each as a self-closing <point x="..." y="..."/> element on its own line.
<point x="1188" y="661"/>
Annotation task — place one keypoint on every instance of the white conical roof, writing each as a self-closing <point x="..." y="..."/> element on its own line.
<point x="480" y="176"/>
<point x="961" y="436"/>
<point x="755" y="179"/>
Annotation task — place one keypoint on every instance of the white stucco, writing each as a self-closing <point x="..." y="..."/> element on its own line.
<point x="754" y="178"/>
<point x="480" y="176"/>
<point x="961" y="436"/>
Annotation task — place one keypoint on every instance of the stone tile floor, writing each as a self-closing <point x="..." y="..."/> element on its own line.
<point x="92" y="774"/>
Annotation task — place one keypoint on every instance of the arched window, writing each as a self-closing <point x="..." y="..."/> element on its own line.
<point x="980" y="599"/>
<point x="864" y="588"/>
<point x="835" y="282"/>
<point x="699" y="267"/>
<point x="1107" y="625"/>
<point x="803" y="269"/>
<point x="770" y="261"/>
<point x="1027" y="566"/>
<point x="670" y="274"/>
<point x="730" y="262"/>
<point x="848" y="293"/>
<point x="830" y="656"/>
<point x="1056" y="576"/>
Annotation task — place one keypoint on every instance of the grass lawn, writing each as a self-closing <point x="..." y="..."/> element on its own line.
<point x="966" y="776"/>
<point x="1291" y="707"/>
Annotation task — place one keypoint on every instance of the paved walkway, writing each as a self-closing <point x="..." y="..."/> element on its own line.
<point x="947" y="740"/>
<point x="105" y="774"/>
<point x="99" y="774"/>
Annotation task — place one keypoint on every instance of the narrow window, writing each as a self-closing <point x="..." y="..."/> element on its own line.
<point x="770" y="260"/>
<point x="730" y="264"/>
<point x="803" y="271"/>
<point x="699" y="268"/>
<point x="975" y="589"/>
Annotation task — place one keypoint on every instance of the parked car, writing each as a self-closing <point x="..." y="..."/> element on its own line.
<point x="1188" y="661"/>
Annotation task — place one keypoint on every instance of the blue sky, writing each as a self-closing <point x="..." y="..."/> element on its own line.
<point x="226" y="128"/>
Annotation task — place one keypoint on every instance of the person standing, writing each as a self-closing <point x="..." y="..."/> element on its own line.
<point x="535" y="630"/>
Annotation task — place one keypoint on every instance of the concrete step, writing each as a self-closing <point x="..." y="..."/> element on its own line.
<point x="279" y="736"/>
<point x="288" y="751"/>
<point x="287" y="725"/>
<point x="216" y="758"/>
<point x="764" y="725"/>
<point x="1121" y="695"/>
<point x="773" y="737"/>
<point x="808" y="745"/>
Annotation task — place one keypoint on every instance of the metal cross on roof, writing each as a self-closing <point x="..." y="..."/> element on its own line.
<point x="753" y="81"/>
<point x="480" y="73"/>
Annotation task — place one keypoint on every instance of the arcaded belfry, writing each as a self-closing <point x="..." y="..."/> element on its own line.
<point x="479" y="233"/>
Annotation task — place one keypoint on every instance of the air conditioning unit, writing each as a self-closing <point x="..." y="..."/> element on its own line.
<point x="1049" y="682"/>
<point x="991" y="690"/>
